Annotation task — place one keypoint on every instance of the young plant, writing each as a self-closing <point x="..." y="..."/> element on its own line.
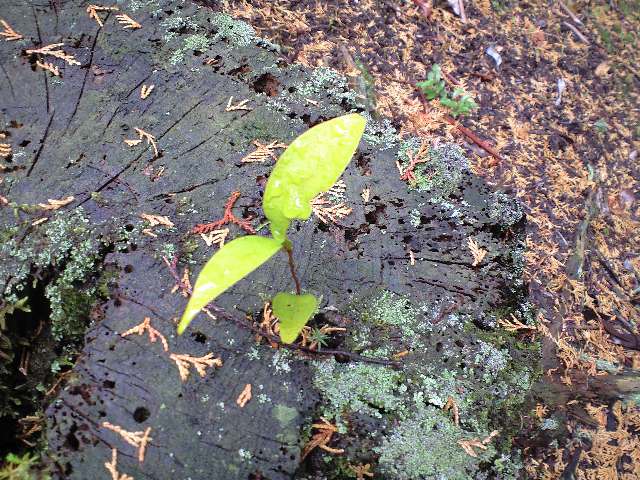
<point x="309" y="166"/>
<point x="460" y="102"/>
<point x="433" y="86"/>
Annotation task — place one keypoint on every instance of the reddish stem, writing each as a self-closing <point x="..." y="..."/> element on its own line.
<point x="292" y="267"/>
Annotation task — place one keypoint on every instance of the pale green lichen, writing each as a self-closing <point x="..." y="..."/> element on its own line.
<point x="67" y="243"/>
<point x="442" y="174"/>
<point x="414" y="218"/>
<point x="193" y="43"/>
<point x="68" y="248"/>
<point x="328" y="82"/>
<point x="505" y="210"/>
<point x="236" y="32"/>
<point x="344" y="390"/>
<point x="389" y="309"/>
<point x="404" y="408"/>
<point x="175" y="24"/>
<point x="380" y="134"/>
<point x="245" y="455"/>
<point x="492" y="360"/>
<point x="425" y="446"/>
<point x="281" y="361"/>
<point x="135" y="5"/>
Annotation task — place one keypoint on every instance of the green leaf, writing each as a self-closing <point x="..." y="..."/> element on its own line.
<point x="310" y="165"/>
<point x="234" y="261"/>
<point x="293" y="311"/>
<point x="433" y="86"/>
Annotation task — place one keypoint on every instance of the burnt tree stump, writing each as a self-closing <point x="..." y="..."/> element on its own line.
<point x="100" y="265"/>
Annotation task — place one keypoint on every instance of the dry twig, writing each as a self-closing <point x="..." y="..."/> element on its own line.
<point x="5" y="149"/>
<point x="463" y="15"/>
<point x="420" y="156"/>
<point x="9" y="33"/>
<point x="578" y="33"/>
<point x="127" y="22"/>
<point x="183" y="361"/>
<point x="362" y="470"/>
<point x="514" y="325"/>
<point x="244" y="396"/>
<point x="112" y="467"/>
<point x="53" y="51"/>
<point x="156" y="220"/>
<point x="469" y="445"/>
<point x="56" y="204"/>
<point x="215" y="237"/>
<point x="146" y="90"/>
<point x="568" y="11"/>
<point x="366" y="193"/>
<point x="453" y="406"/>
<point x="477" y="252"/>
<point x="93" y="10"/>
<point x="241" y="105"/>
<point x="321" y="438"/>
<point x="50" y="67"/>
<point x="329" y="212"/>
<point x="135" y="439"/>
<point x="142" y="135"/>
<point x="154" y="334"/>
<point x="228" y="217"/>
<point x="263" y="152"/>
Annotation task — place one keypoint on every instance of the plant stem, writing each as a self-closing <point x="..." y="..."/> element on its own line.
<point x="221" y="313"/>
<point x="292" y="267"/>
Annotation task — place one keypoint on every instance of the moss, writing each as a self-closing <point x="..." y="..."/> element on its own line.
<point x="492" y="360"/>
<point x="175" y="24"/>
<point x="64" y="253"/>
<point x="389" y="309"/>
<point x="25" y="467"/>
<point x="287" y="418"/>
<point x="285" y="415"/>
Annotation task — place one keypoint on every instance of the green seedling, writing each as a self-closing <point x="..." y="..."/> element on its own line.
<point x="433" y="86"/>
<point x="309" y="166"/>
<point x="459" y="102"/>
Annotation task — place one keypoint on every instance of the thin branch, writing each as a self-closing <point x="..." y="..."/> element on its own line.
<point x="578" y="33"/>
<point x="566" y="9"/>
<point x="463" y="15"/>
<point x="474" y="138"/>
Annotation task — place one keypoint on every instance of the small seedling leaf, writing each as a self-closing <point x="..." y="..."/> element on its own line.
<point x="293" y="311"/>
<point x="310" y="165"/>
<point x="230" y="264"/>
